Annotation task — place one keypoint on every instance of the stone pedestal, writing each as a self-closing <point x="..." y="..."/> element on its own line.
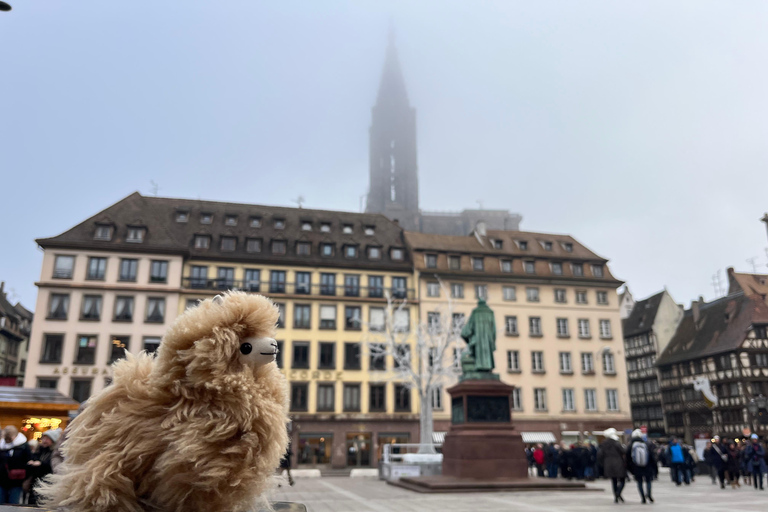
<point x="482" y="442"/>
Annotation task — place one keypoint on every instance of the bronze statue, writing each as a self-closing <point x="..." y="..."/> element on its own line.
<point x="480" y="334"/>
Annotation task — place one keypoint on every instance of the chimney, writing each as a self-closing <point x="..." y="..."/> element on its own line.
<point x="695" y="309"/>
<point x="2" y="286"/>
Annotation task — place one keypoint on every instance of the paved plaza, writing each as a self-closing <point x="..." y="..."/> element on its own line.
<point x="343" y="494"/>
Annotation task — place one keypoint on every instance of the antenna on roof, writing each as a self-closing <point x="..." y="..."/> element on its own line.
<point x="299" y="201"/>
<point x="155" y="187"/>
<point x="751" y="261"/>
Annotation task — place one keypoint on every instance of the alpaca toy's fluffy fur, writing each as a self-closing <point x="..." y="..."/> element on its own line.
<point x="201" y="427"/>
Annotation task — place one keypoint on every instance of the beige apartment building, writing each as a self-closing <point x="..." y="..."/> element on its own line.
<point x="559" y="328"/>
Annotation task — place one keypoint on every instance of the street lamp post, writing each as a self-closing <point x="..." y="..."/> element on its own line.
<point x="757" y="409"/>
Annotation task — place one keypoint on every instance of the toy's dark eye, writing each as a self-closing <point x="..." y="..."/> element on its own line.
<point x="246" y="348"/>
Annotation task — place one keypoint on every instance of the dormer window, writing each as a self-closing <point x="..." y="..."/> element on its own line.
<point x="103" y="233"/>
<point x="230" y="220"/>
<point x="206" y="218"/>
<point x="557" y="269"/>
<point x="326" y="250"/>
<point x="431" y="260"/>
<point x="578" y="269"/>
<point x="306" y="226"/>
<point x="182" y="216"/>
<point x="350" y="251"/>
<point x="228" y="243"/>
<point x="279" y="224"/>
<point x="325" y="227"/>
<point x="202" y="241"/>
<point x="523" y="245"/>
<point x="454" y="262"/>
<point x="530" y="267"/>
<point x="374" y="253"/>
<point x="303" y="248"/>
<point x="477" y="264"/>
<point x="136" y="235"/>
<point x="397" y="254"/>
<point x="568" y="247"/>
<point x="498" y="244"/>
<point x="369" y="230"/>
<point x="597" y="270"/>
<point x="347" y="229"/>
<point x="253" y="245"/>
<point x="278" y="246"/>
<point x="255" y="222"/>
<point x="547" y="246"/>
<point x="506" y="265"/>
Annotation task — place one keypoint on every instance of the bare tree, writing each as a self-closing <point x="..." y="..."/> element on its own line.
<point x="426" y="356"/>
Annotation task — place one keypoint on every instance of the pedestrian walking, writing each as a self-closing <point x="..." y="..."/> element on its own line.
<point x="691" y="460"/>
<point x="709" y="460"/>
<point x="720" y="459"/>
<point x="733" y="465"/>
<point x="640" y="462"/>
<point x="611" y="457"/>
<point x="676" y="458"/>
<point x="14" y="455"/>
<point x="285" y="464"/>
<point x="755" y="457"/>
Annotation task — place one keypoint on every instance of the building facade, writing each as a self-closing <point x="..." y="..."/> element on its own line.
<point x="647" y="332"/>
<point x="15" y="328"/>
<point x="716" y="362"/>
<point x="558" y="325"/>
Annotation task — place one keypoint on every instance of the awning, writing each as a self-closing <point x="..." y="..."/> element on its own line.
<point x="438" y="437"/>
<point x="538" y="437"/>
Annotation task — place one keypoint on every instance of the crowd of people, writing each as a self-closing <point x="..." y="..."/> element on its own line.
<point x="728" y="461"/>
<point x="23" y="463"/>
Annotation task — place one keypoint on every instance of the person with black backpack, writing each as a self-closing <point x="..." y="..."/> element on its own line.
<point x="641" y="463"/>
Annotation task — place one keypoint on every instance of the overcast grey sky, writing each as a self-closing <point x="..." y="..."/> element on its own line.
<point x="638" y="127"/>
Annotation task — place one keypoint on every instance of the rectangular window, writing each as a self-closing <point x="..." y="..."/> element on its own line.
<point x="352" y="285"/>
<point x="277" y="281"/>
<point x="350" y="251"/>
<point x="52" y="345"/>
<point x="534" y="326"/>
<point x="557" y="269"/>
<point x="300" y="355"/>
<point x="279" y="224"/>
<point x="457" y="290"/>
<point x="510" y="324"/>
<point x="302" y="316"/>
<point x="609" y="364"/>
<point x="581" y="297"/>
<point x="86" y="350"/>
<point x="326" y="250"/>
<point x="540" y="399"/>
<point x="376" y="319"/>
<point x="403" y="359"/>
<point x="352" y="318"/>
<point x="279" y="356"/>
<point x="477" y="264"/>
<point x="206" y="218"/>
<point x="228" y="243"/>
<point x="562" y="328"/>
<point x="155" y="309"/>
<point x="378" y="397"/>
<point x="431" y="260"/>
<point x="158" y="272"/>
<point x="151" y="344"/>
<point x="454" y="262"/>
<point x="303" y="283"/>
<point x="306" y="225"/>
<point x="63" y="267"/>
<point x="437" y="398"/>
<point x="58" y="306"/>
<point x="255" y="222"/>
<point x="375" y="286"/>
<point x="351" y="356"/>
<point x="198" y="277"/>
<point x="103" y="233"/>
<point x="128" y="269"/>
<point x="327" y="284"/>
<point x="252" y="280"/>
<point x="202" y="241"/>
<point x="578" y="269"/>
<point x="327" y="317"/>
<point x="506" y="266"/>
<point x="433" y="321"/>
<point x="517" y="400"/>
<point x="97" y="268"/>
<point x="605" y="329"/>
<point x="532" y="294"/>
<point x="402" y="398"/>
<point x="325" y="397"/>
<point x="119" y="346"/>
<point x="47" y="383"/>
<point x="612" y="399"/>
<point x="253" y="245"/>
<point x="602" y="298"/>
<point x="91" y="307"/>
<point x="81" y="389"/>
<point x="590" y="400"/>
<point x="327" y="359"/>
<point x="565" y="362"/>
<point x="303" y="248"/>
<point x="587" y="363"/>
<point x="481" y="291"/>
<point x="299" y="396"/>
<point x="278" y="246"/>
<point x="530" y="267"/>
<point x="399" y="288"/>
<point x="509" y="293"/>
<point x="584" y="328"/>
<point x="433" y="289"/>
<point x="352" y="397"/>
<point x="374" y="253"/>
<point x="597" y="270"/>
<point x="560" y="295"/>
<point x="378" y="359"/>
<point x="401" y="320"/>
<point x="568" y="401"/>
<point x="513" y="361"/>
<point x="568" y="247"/>
<point x="537" y="362"/>
<point x="225" y="278"/>
<point x="123" y="309"/>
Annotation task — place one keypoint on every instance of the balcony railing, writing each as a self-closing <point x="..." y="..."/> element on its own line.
<point x="277" y="287"/>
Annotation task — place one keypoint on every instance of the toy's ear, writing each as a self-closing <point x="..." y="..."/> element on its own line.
<point x="218" y="299"/>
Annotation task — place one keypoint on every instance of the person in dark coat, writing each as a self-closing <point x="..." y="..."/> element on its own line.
<point x="553" y="460"/>
<point x="733" y="465"/>
<point x="285" y="463"/>
<point x="14" y="455"/>
<point x="590" y="471"/>
<point x="640" y="462"/>
<point x="709" y="459"/>
<point x="754" y="455"/>
<point x="565" y="469"/>
<point x="41" y="463"/>
<point x="611" y="457"/>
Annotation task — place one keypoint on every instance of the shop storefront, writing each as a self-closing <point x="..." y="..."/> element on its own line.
<point x="33" y="411"/>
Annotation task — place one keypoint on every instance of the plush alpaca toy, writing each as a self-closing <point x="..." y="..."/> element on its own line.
<point x="201" y="427"/>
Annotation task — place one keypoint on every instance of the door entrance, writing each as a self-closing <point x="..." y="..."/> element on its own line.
<point x="359" y="449"/>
